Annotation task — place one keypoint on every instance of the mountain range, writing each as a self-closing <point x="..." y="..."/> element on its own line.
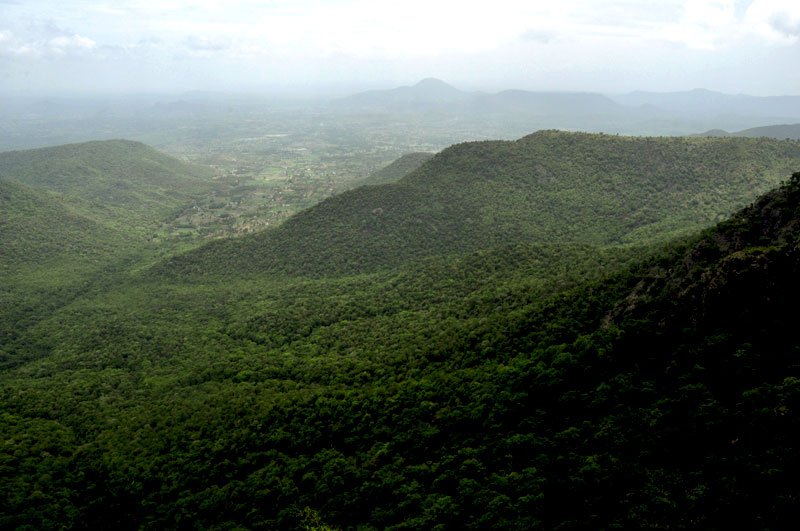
<point x="435" y="95"/>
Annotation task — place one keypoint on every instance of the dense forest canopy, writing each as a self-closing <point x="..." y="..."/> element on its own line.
<point x="516" y="339"/>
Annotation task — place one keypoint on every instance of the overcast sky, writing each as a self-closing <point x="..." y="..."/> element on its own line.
<point x="611" y="46"/>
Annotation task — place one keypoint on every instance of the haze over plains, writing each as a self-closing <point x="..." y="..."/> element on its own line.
<point x="314" y="46"/>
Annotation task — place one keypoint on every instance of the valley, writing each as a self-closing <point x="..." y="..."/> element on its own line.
<point x="380" y="319"/>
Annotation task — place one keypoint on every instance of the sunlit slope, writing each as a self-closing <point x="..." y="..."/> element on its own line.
<point x="548" y="187"/>
<point x="123" y="182"/>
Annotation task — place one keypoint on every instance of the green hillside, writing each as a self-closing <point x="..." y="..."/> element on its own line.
<point x="548" y="187"/>
<point x="77" y="216"/>
<point x="36" y="227"/>
<point x="515" y="388"/>
<point x="397" y="169"/>
<point x="48" y="252"/>
<point x="503" y="339"/>
<point x="123" y="182"/>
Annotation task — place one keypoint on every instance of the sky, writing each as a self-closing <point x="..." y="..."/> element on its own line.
<point x="307" y="46"/>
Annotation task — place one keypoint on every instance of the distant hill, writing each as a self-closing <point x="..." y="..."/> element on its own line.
<point x="428" y="93"/>
<point x="397" y="169"/>
<point x="637" y="112"/>
<point x="781" y="132"/>
<point x="547" y="187"/>
<point x="433" y="94"/>
<point x="714" y="133"/>
<point x="124" y="181"/>
<point x="707" y="102"/>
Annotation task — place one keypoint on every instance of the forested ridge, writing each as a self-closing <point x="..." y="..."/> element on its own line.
<point x="119" y="182"/>
<point x="507" y="384"/>
<point x="548" y="187"/>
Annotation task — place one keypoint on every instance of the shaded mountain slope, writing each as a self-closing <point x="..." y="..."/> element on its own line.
<point x="547" y="187"/>
<point x="695" y="381"/>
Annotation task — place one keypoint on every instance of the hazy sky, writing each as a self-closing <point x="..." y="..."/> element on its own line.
<point x="588" y="45"/>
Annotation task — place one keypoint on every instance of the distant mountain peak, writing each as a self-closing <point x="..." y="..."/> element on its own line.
<point x="714" y="132"/>
<point x="432" y="82"/>
<point x="435" y="87"/>
<point x="428" y="92"/>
